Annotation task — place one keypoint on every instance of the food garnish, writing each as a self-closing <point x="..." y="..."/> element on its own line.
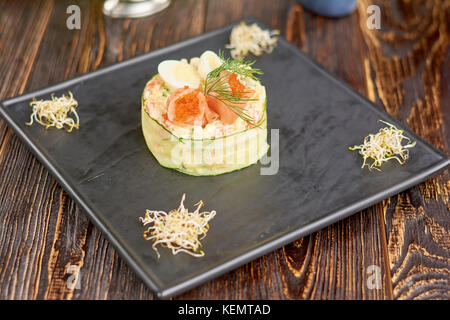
<point x="54" y="112"/>
<point x="178" y="230"/>
<point x="222" y="84"/>
<point x="187" y="106"/>
<point x="207" y="62"/>
<point x="177" y="74"/>
<point x="384" y="146"/>
<point x="251" y="38"/>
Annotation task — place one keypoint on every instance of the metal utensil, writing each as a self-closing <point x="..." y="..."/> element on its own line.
<point x="133" y="8"/>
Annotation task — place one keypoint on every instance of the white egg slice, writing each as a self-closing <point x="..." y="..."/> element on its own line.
<point x="178" y="74"/>
<point x="208" y="62"/>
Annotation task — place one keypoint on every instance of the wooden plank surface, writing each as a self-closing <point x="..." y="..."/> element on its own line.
<point x="409" y="60"/>
<point x="403" y="68"/>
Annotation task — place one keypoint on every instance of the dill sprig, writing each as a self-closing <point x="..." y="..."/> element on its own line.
<point x="217" y="86"/>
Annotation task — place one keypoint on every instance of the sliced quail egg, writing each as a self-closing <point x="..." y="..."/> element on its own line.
<point x="178" y="74"/>
<point x="208" y="62"/>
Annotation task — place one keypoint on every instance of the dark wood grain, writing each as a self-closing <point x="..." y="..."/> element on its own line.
<point x="408" y="60"/>
<point x="333" y="263"/>
<point x="403" y="68"/>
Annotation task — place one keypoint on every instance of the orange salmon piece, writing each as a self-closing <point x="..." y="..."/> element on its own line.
<point x="227" y="115"/>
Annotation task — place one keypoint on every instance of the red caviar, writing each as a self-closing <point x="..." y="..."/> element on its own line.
<point x="187" y="107"/>
<point x="236" y="86"/>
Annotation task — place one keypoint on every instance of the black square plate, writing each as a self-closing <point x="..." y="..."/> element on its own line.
<point x="106" y="167"/>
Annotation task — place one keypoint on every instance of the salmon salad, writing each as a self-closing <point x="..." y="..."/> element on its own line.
<point x="217" y="101"/>
<point x="180" y="109"/>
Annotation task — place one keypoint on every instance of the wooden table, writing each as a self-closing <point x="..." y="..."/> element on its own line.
<point x="404" y="68"/>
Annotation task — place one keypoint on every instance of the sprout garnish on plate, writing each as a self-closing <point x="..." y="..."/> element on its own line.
<point x="384" y="146"/>
<point x="179" y="230"/>
<point x="54" y="112"/>
<point x="251" y="38"/>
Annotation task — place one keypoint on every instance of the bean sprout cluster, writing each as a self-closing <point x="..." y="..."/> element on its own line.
<point x="384" y="146"/>
<point x="251" y="38"/>
<point x="54" y="112"/>
<point x="179" y="230"/>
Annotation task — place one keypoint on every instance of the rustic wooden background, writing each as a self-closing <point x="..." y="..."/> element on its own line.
<point x="404" y="68"/>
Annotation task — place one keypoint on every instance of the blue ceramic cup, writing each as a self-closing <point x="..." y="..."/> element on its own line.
<point x="330" y="8"/>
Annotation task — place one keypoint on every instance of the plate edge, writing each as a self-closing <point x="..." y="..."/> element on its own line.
<point x="312" y="227"/>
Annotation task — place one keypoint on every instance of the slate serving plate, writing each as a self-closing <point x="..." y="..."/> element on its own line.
<point x="106" y="167"/>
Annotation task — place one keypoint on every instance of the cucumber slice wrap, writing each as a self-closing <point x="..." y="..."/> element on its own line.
<point x="203" y="157"/>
